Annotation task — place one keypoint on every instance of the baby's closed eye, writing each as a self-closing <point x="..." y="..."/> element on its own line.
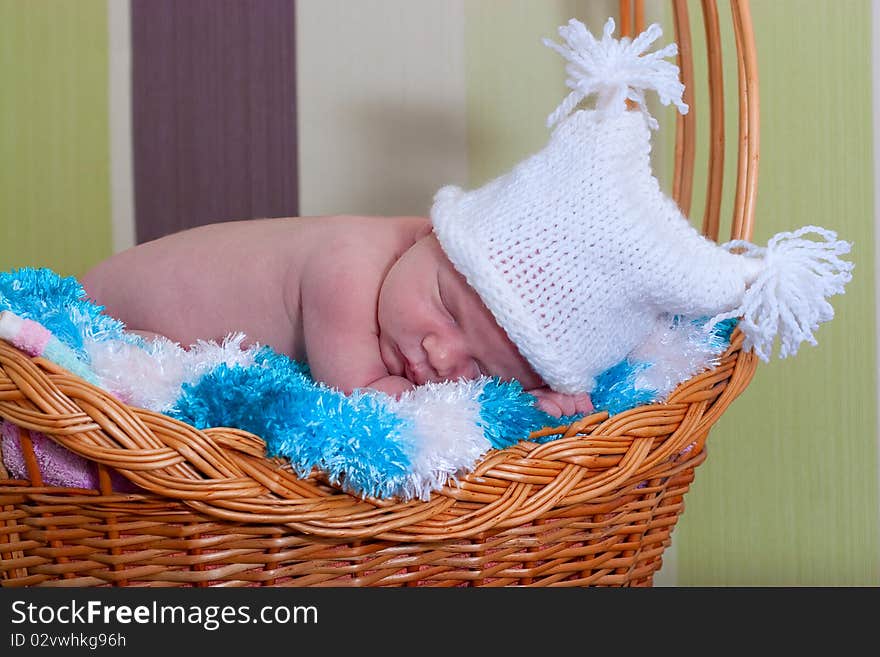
<point x="445" y="306"/>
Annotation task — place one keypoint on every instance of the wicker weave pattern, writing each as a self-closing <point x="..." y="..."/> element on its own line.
<point x="595" y="506"/>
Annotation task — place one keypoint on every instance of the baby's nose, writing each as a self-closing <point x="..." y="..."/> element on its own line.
<point x="447" y="354"/>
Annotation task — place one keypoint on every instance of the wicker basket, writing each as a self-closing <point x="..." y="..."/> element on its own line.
<point x="593" y="507"/>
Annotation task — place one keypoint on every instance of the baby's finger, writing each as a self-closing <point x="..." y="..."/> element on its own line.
<point x="548" y="407"/>
<point x="583" y="404"/>
<point x="566" y="404"/>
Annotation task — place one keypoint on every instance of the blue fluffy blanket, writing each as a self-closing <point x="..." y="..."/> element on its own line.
<point x="366" y="442"/>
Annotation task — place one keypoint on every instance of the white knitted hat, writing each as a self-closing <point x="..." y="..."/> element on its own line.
<point x="578" y="253"/>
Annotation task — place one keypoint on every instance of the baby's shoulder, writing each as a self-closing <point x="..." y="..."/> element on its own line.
<point x="366" y="240"/>
<point x="359" y="250"/>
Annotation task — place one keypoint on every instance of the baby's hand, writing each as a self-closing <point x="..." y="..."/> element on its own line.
<point x="558" y="404"/>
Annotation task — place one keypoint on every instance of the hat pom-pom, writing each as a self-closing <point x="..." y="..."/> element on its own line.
<point x="787" y="298"/>
<point x="615" y="70"/>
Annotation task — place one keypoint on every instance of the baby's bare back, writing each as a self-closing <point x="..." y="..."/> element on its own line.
<point x="207" y="282"/>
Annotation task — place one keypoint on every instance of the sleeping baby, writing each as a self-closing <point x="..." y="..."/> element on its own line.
<point x="550" y="274"/>
<point x="367" y="302"/>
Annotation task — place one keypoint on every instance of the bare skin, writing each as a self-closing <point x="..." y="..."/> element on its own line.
<point x="368" y="302"/>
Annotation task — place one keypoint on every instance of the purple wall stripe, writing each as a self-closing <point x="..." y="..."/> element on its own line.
<point x="214" y="112"/>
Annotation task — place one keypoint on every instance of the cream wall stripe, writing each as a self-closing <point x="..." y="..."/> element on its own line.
<point x="380" y="104"/>
<point x="119" y="96"/>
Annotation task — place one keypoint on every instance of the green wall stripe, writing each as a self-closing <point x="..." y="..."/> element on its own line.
<point x="54" y="186"/>
<point x="788" y="494"/>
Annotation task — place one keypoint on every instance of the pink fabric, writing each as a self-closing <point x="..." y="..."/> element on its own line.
<point x="32" y="338"/>
<point x="58" y="465"/>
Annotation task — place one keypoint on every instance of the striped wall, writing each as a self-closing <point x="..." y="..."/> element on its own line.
<point x="397" y="97"/>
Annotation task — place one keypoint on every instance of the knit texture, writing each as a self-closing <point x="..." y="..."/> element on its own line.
<point x="579" y="254"/>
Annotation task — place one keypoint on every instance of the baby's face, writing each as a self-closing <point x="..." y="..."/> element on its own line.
<point x="434" y="327"/>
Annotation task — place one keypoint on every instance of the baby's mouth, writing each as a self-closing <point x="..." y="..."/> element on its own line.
<point x="408" y="373"/>
<point x="420" y="373"/>
<point x="414" y="375"/>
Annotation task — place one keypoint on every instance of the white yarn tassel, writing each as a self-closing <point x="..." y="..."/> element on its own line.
<point x="616" y="70"/>
<point x="788" y="297"/>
